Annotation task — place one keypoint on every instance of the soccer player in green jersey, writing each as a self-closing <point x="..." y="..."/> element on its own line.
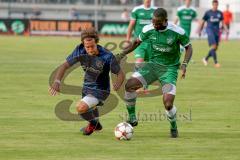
<point x="165" y="39"/>
<point x="185" y="15"/>
<point x="140" y="16"/>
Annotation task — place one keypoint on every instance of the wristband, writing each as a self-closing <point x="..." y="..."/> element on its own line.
<point x="57" y="81"/>
<point x="185" y="63"/>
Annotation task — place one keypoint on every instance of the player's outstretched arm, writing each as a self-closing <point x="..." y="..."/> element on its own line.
<point x="119" y="81"/>
<point x="130" y="29"/>
<point x="129" y="49"/>
<point x="187" y="58"/>
<point x="55" y="87"/>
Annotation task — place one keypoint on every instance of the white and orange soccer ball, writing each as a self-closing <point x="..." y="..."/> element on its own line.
<point x="123" y="131"/>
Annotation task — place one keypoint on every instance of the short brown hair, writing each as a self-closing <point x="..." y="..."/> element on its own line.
<point x="89" y="33"/>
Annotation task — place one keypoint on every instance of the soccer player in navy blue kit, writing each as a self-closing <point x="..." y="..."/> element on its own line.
<point x="97" y="62"/>
<point x="213" y="18"/>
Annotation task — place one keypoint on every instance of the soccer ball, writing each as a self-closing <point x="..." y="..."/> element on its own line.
<point x="123" y="131"/>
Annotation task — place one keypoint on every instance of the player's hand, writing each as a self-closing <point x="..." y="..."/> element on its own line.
<point x="126" y="44"/>
<point x="184" y="70"/>
<point x="118" y="57"/>
<point x="54" y="89"/>
<point x="199" y="32"/>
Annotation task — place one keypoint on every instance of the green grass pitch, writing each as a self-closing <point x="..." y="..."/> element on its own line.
<point x="207" y="100"/>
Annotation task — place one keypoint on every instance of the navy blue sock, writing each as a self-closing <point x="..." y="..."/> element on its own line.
<point x="214" y="54"/>
<point x="209" y="54"/>
<point x="91" y="115"/>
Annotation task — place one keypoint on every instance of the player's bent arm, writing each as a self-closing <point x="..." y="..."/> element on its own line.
<point x="130" y="29"/>
<point x="187" y="58"/>
<point x="61" y="71"/>
<point x="130" y="48"/>
<point x="188" y="54"/>
<point x="58" y="77"/>
<point x="119" y="81"/>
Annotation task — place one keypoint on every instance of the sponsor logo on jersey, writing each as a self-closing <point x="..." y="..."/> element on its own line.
<point x="162" y="48"/>
<point x="153" y="37"/>
<point x="144" y="21"/>
<point x="187" y="17"/>
<point x="213" y="19"/>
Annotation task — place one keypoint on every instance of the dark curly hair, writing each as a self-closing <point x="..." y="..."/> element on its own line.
<point x="89" y="33"/>
<point x="160" y="12"/>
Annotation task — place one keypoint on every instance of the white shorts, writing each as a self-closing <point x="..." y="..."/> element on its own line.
<point x="169" y="89"/>
<point x="90" y="100"/>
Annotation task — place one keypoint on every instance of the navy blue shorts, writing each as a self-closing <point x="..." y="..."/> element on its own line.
<point x="213" y="37"/>
<point x="100" y="94"/>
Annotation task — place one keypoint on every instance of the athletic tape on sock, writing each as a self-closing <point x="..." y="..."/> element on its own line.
<point x="172" y="113"/>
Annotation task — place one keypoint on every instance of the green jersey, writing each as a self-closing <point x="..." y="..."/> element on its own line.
<point x="165" y="44"/>
<point x="142" y="17"/>
<point x="186" y="15"/>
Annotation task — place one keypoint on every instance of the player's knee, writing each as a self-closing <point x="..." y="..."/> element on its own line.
<point x="81" y="107"/>
<point x="131" y="85"/>
<point x="214" y="47"/>
<point x="168" y="103"/>
<point x="128" y="86"/>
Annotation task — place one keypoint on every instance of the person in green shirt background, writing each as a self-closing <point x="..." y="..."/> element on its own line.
<point x="140" y="16"/>
<point x="185" y="15"/>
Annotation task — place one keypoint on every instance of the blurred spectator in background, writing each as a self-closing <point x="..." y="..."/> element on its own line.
<point x="125" y="15"/>
<point x="123" y="2"/>
<point x="36" y="13"/>
<point x="227" y="19"/>
<point x="74" y="14"/>
<point x="185" y="15"/>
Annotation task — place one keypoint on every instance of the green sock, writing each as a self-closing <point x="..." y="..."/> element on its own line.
<point x="131" y="112"/>
<point x="173" y="122"/>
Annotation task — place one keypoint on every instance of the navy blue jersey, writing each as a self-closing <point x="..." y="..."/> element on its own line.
<point x="97" y="68"/>
<point x="213" y="19"/>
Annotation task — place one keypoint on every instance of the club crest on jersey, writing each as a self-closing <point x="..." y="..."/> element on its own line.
<point x="170" y="40"/>
<point x="152" y="38"/>
<point x="99" y="64"/>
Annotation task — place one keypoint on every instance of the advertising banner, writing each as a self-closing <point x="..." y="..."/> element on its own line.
<point x="74" y="28"/>
<point x="58" y="27"/>
<point x="13" y="26"/>
<point x="112" y="28"/>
